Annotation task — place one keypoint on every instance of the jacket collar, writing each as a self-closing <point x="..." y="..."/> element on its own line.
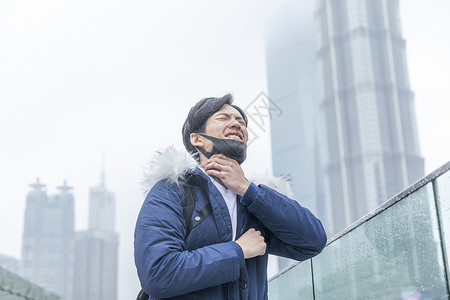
<point x="174" y="166"/>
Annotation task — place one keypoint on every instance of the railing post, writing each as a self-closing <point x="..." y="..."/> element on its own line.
<point x="312" y="280"/>
<point x="445" y="257"/>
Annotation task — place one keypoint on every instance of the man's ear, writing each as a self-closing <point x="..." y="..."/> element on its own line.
<point x="196" y="140"/>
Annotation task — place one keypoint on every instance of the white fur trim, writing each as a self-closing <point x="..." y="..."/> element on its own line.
<point x="173" y="164"/>
<point x="170" y="164"/>
<point x="280" y="184"/>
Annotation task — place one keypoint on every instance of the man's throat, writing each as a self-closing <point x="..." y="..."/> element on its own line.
<point x="219" y="181"/>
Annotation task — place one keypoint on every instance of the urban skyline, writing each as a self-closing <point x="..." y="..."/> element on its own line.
<point x="79" y="82"/>
<point x="56" y="257"/>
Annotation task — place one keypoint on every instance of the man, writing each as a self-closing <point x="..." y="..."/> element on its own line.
<point x="225" y="255"/>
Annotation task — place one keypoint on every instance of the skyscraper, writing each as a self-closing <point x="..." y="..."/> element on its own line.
<point x="102" y="207"/>
<point x="290" y="37"/>
<point x="367" y="126"/>
<point x="292" y="86"/>
<point x="48" y="237"/>
<point x="96" y="249"/>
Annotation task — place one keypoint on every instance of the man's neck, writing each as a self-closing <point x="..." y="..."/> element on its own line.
<point x="219" y="181"/>
<point x="213" y="177"/>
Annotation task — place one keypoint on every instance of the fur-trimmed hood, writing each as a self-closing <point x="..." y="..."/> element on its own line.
<point x="173" y="165"/>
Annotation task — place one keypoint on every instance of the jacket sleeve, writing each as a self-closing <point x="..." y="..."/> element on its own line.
<point x="165" y="268"/>
<point x="294" y="231"/>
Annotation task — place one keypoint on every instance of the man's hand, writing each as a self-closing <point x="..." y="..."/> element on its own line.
<point x="252" y="243"/>
<point x="228" y="171"/>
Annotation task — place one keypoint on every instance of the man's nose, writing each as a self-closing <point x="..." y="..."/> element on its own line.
<point x="235" y="124"/>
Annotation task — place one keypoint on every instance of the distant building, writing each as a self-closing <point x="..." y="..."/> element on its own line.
<point x="102" y="207"/>
<point x="367" y="125"/>
<point x="290" y="38"/>
<point x="48" y="238"/>
<point x="347" y="133"/>
<point x="96" y="249"/>
<point x="9" y="263"/>
<point x="292" y="86"/>
<point x="96" y="253"/>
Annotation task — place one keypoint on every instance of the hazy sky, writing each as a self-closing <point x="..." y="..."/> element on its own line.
<point x="79" y="78"/>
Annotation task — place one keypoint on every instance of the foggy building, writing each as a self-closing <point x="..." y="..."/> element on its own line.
<point x="48" y="237"/>
<point x="96" y="253"/>
<point x="96" y="249"/>
<point x="367" y="125"/>
<point x="290" y="38"/>
<point x="9" y="263"/>
<point x="102" y="209"/>
<point x="347" y="132"/>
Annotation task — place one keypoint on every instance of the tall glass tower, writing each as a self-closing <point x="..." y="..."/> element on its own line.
<point x="96" y="249"/>
<point x="48" y="239"/>
<point x="290" y="37"/>
<point x="367" y="123"/>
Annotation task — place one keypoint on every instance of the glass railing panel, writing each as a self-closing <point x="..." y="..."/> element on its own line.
<point x="13" y="287"/>
<point x="293" y="284"/>
<point x="442" y="185"/>
<point x="394" y="255"/>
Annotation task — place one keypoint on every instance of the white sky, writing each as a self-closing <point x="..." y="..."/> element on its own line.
<point x="79" y="78"/>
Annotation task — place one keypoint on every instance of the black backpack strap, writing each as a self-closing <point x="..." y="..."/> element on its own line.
<point x="200" y="217"/>
<point x="189" y="206"/>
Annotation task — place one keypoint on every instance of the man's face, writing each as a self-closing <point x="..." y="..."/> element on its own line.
<point x="227" y="123"/>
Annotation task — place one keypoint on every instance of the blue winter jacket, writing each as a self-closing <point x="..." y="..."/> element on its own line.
<point x="207" y="264"/>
